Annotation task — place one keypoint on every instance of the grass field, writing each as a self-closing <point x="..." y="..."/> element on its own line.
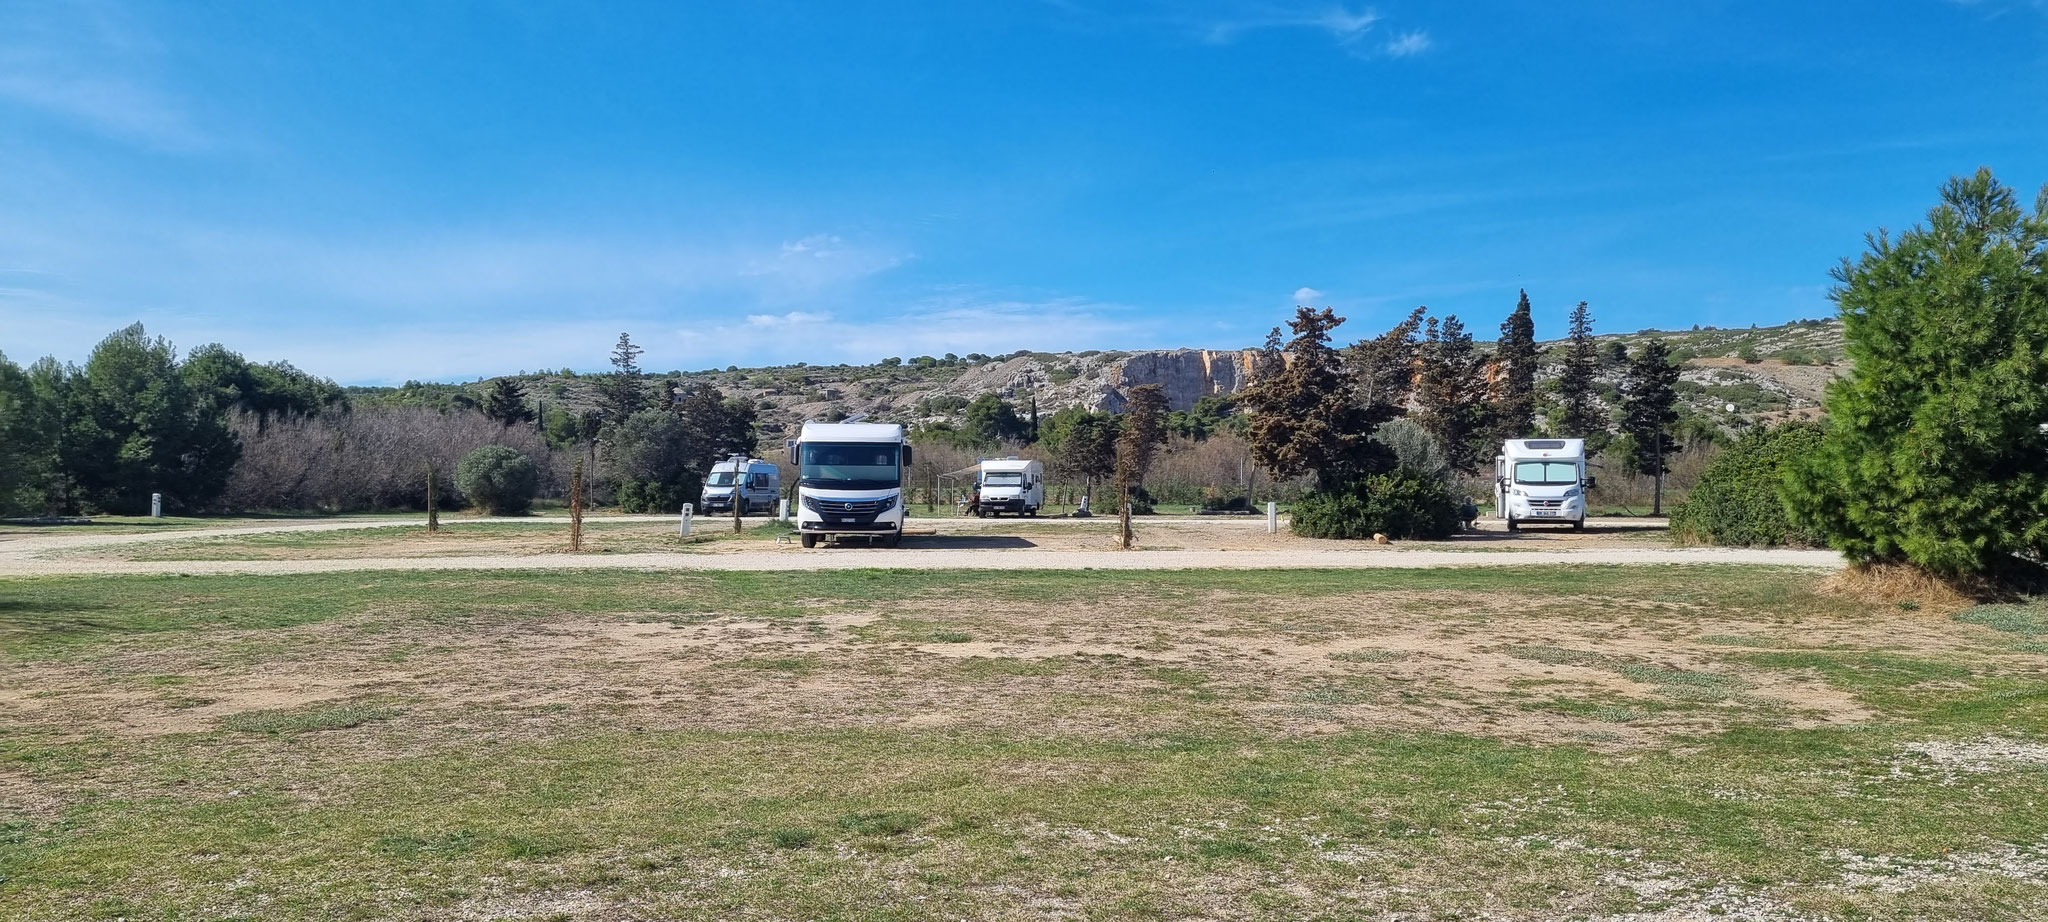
<point x="1587" y="742"/>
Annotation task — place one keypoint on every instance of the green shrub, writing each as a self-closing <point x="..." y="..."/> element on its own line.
<point x="1402" y="504"/>
<point x="498" y="479"/>
<point x="1737" y="500"/>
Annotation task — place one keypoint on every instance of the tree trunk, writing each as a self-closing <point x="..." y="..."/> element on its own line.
<point x="433" y="501"/>
<point x="1657" y="492"/>
<point x="576" y="508"/>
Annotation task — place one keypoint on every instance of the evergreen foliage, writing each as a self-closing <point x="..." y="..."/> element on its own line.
<point x="1401" y="504"/>
<point x="132" y="427"/>
<point x="506" y="403"/>
<point x="1935" y="454"/>
<point x="1578" y="387"/>
<point x="1738" y="499"/>
<point x="1450" y="392"/>
<point x="1303" y="418"/>
<point x="1514" y="403"/>
<point x="498" y="479"/>
<point x="621" y="394"/>
<point x="1649" y="406"/>
<point x="1382" y="369"/>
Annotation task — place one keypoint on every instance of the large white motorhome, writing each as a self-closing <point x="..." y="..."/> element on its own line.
<point x="1541" y="480"/>
<point x="758" y="482"/>
<point x="850" y="481"/>
<point x="1009" y="485"/>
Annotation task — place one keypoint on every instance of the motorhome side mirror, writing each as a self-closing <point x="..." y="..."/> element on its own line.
<point x="790" y="446"/>
<point x="1591" y="482"/>
<point x="907" y="455"/>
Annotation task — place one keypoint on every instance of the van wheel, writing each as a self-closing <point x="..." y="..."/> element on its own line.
<point x="894" y="539"/>
<point x="1514" y="525"/>
<point x="1033" y="513"/>
<point x="810" y="540"/>
<point x="1579" y="525"/>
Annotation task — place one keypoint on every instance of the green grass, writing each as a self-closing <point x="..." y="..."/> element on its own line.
<point x="1206" y="796"/>
<point x="304" y="720"/>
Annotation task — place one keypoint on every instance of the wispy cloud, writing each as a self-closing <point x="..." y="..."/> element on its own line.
<point x="1408" y="44"/>
<point x="1307" y="295"/>
<point x="1338" y="22"/>
<point x="94" y="67"/>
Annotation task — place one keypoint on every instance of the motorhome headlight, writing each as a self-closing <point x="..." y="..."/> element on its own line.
<point x="1568" y="494"/>
<point x="887" y="503"/>
<point x="811" y="503"/>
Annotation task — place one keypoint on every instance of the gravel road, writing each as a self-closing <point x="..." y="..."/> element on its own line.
<point x="41" y="554"/>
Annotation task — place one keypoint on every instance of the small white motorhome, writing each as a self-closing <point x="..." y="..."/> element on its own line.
<point x="850" y="481"/>
<point x="758" y="483"/>
<point x="1543" y="481"/>
<point x="1009" y="485"/>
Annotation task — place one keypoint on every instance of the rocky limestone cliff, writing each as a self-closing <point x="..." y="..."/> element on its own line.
<point x="1186" y="375"/>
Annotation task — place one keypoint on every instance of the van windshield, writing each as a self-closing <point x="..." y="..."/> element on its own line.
<point x="850" y="466"/>
<point x="1003" y="479"/>
<point x="720" y="479"/>
<point x="1547" y="473"/>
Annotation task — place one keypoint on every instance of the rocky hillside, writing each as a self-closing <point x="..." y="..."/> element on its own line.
<point x="1766" y="372"/>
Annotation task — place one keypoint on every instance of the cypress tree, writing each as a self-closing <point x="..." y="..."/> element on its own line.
<point x="1576" y="386"/>
<point x="1514" y="405"/>
<point x="1649" y="407"/>
<point x="1450" y="391"/>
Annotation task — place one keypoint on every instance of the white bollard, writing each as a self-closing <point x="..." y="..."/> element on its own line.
<point x="1272" y="518"/>
<point x="156" y="505"/>
<point x="784" y="514"/>
<point x="687" y="509"/>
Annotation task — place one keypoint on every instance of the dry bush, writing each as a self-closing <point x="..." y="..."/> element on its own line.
<point x="368" y="459"/>
<point x="1893" y="583"/>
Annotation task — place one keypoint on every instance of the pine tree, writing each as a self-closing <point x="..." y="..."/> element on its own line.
<point x="1514" y="404"/>
<point x="1649" y="405"/>
<point x="506" y="403"/>
<point x="1450" y="392"/>
<point x="621" y="394"/>
<point x="1934" y="453"/>
<point x="1303" y="418"/>
<point x="1576" y="386"/>
<point x="1382" y="369"/>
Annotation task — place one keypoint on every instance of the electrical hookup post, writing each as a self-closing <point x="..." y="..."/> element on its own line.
<point x="683" y="525"/>
<point x="156" y="505"/>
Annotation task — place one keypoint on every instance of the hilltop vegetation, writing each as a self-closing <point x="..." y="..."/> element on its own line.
<point x="1777" y="370"/>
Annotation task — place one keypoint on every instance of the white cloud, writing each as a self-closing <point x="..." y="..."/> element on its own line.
<point x="1307" y="295"/>
<point x="1408" y="44"/>
<point x="1338" y="22"/>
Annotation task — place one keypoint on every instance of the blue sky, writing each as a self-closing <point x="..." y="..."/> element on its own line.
<point x="382" y="191"/>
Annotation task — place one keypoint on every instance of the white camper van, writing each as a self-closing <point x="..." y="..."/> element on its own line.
<point x="1543" y="481"/>
<point x="758" y="483"/>
<point x="1009" y="485"/>
<point x="850" y="481"/>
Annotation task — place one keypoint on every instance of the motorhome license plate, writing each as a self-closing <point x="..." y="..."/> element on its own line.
<point x="1544" y="511"/>
<point x="849" y="520"/>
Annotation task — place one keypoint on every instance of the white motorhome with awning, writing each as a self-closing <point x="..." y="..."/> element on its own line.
<point x="850" y="481"/>
<point x="1541" y="481"/>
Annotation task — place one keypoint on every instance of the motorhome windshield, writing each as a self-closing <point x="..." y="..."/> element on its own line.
<point x="1547" y="473"/>
<point x="1002" y="479"/>
<point x="720" y="479"/>
<point x="854" y="466"/>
